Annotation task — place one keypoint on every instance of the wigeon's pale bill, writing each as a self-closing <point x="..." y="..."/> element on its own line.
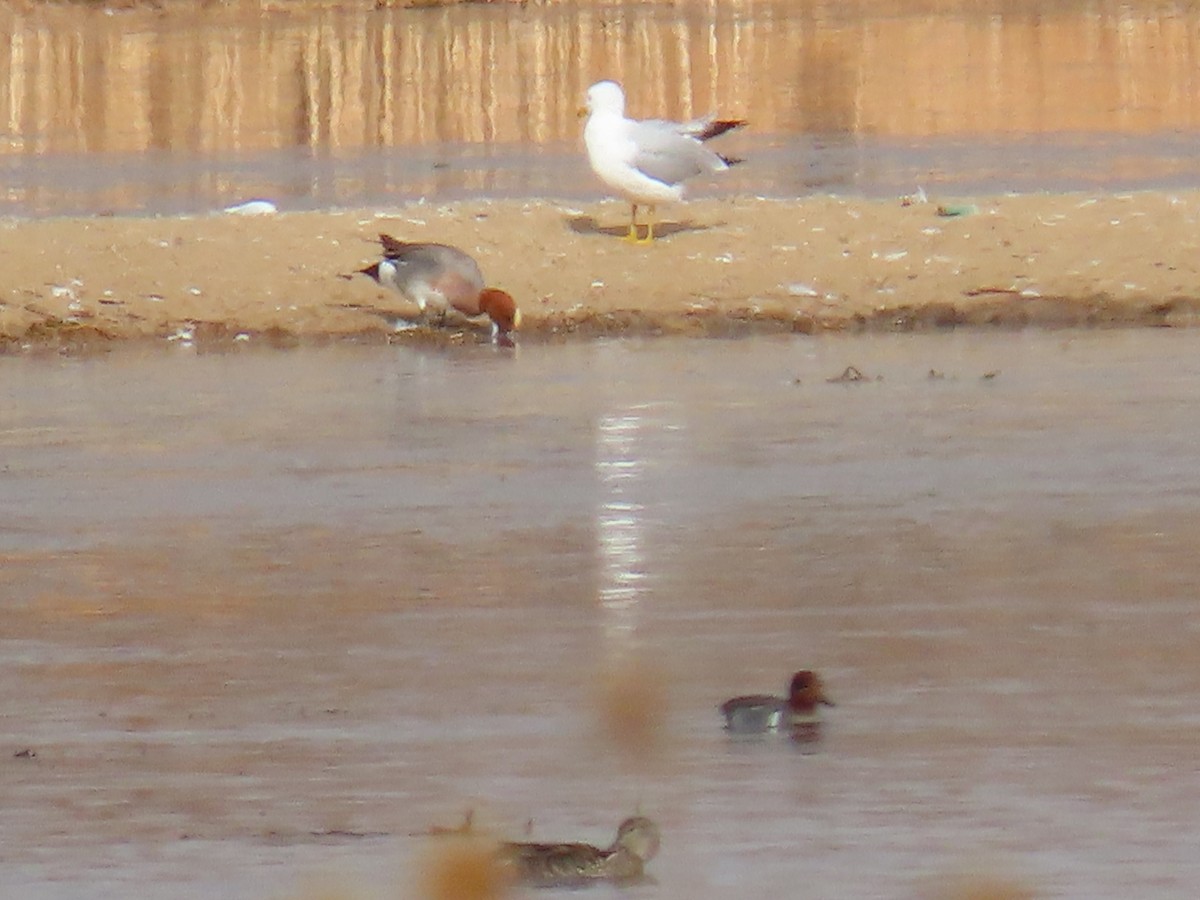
<point x="439" y="278"/>
<point x="647" y="161"/>
<point x="548" y="865"/>
<point x="761" y="712"/>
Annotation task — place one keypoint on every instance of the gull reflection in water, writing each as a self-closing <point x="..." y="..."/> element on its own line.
<point x="619" y="525"/>
<point x="633" y="703"/>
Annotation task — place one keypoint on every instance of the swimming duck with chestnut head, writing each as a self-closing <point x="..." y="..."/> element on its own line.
<point x="548" y="865"/>
<point x="761" y="712"/>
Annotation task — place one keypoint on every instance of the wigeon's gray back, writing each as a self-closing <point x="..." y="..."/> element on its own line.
<point x="433" y="276"/>
<point x="548" y="865"/>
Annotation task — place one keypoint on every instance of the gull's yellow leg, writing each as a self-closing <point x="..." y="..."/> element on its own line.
<point x="633" y="234"/>
<point x="649" y="239"/>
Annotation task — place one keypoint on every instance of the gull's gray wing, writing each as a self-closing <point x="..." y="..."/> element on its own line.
<point x="666" y="153"/>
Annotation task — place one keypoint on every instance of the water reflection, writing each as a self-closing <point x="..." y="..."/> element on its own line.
<point x="619" y="525"/>
<point x="338" y="81"/>
<point x="309" y="104"/>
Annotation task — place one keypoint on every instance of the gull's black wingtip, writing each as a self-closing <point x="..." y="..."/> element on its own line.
<point x="718" y="127"/>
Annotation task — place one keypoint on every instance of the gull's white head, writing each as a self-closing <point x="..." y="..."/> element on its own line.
<point x="606" y="96"/>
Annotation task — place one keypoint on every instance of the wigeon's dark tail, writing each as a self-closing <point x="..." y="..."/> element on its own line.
<point x="718" y="127"/>
<point x="372" y="270"/>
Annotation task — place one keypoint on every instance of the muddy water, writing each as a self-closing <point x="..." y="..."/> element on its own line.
<point x="144" y="110"/>
<point x="266" y="615"/>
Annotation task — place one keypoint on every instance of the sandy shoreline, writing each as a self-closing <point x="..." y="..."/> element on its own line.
<point x="722" y="267"/>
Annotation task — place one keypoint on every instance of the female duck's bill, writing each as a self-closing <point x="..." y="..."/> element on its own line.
<point x="548" y="865"/>
<point x="758" y="713"/>
<point x="443" y="281"/>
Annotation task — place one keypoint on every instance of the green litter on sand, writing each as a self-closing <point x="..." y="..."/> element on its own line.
<point x="964" y="209"/>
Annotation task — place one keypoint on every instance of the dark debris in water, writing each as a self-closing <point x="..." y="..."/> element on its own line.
<point x="852" y="375"/>
<point x="320" y="836"/>
<point x="463" y="828"/>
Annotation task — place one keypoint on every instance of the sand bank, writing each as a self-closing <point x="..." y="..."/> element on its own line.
<point x="721" y="267"/>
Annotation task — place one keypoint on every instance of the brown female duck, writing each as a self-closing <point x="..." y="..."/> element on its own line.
<point x="563" y="864"/>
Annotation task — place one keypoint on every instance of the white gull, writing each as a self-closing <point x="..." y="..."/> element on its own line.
<point x="648" y="161"/>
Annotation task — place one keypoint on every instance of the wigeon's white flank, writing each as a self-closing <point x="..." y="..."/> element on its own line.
<point x="762" y="712"/>
<point x="647" y="161"/>
<point x="548" y="865"/>
<point x="439" y="278"/>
